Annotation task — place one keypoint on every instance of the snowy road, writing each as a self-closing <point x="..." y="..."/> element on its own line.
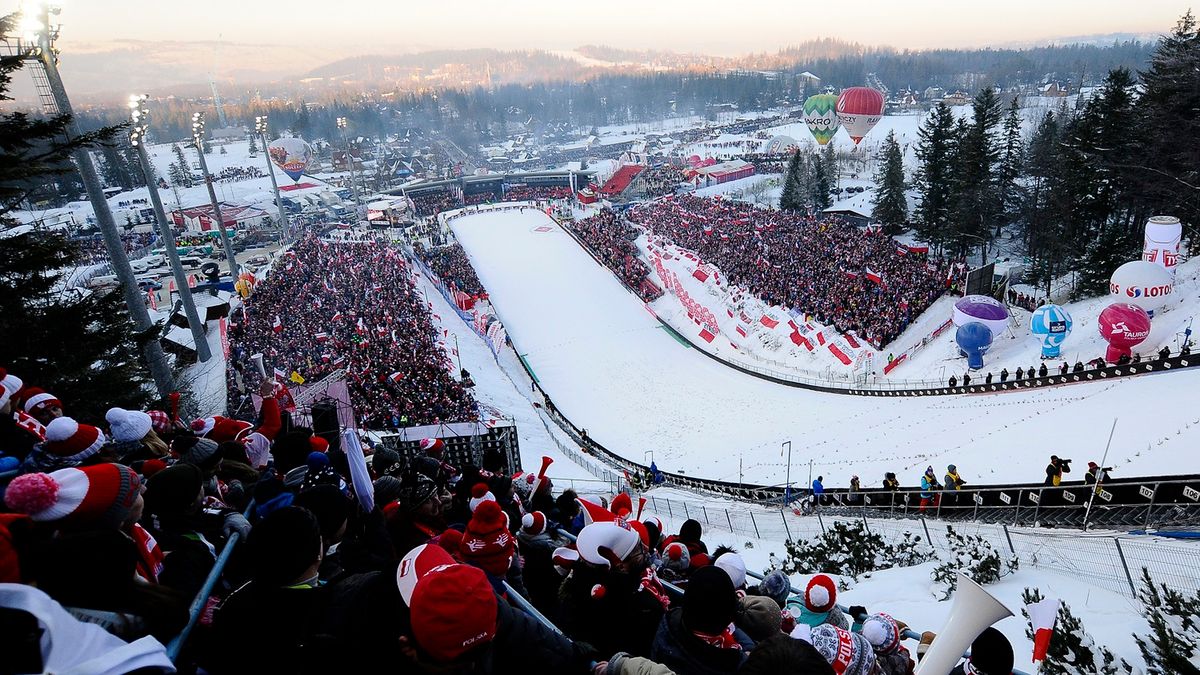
<point x="612" y="370"/>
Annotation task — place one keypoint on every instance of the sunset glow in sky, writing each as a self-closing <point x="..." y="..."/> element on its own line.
<point x="715" y="27"/>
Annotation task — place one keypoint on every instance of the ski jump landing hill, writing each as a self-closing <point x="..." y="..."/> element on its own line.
<point x="613" y="369"/>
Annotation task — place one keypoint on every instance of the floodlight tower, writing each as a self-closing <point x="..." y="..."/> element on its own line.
<point x="341" y="125"/>
<point x="260" y="128"/>
<point x="40" y="54"/>
<point x="198" y="140"/>
<point x="140" y="124"/>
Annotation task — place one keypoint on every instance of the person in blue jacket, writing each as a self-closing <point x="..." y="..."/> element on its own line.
<point x="930" y="488"/>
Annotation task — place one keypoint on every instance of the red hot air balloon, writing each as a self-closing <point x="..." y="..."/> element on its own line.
<point x="1123" y="325"/>
<point x="859" y="109"/>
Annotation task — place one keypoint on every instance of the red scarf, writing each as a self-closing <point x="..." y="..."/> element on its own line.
<point x="651" y="585"/>
<point x="150" y="556"/>
<point x="722" y="640"/>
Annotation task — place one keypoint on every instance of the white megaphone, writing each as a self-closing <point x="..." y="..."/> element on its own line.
<point x="974" y="610"/>
<point x="258" y="363"/>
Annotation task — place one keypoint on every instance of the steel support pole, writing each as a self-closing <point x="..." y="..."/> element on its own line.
<point x="212" y="198"/>
<point x="284" y="230"/>
<point x="152" y="352"/>
<point x="203" y="353"/>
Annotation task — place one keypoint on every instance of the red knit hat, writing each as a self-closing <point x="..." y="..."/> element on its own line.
<point x="449" y="540"/>
<point x="487" y="542"/>
<point x="221" y="429"/>
<point x="821" y="594"/>
<point x="72" y="441"/>
<point x="453" y="611"/>
<point x="101" y="494"/>
<point x="10" y="385"/>
<point x="37" y="399"/>
<point x="533" y="523"/>
<point x="434" y="447"/>
<point x="622" y="505"/>
<point x="159" y="421"/>
<point x="479" y="494"/>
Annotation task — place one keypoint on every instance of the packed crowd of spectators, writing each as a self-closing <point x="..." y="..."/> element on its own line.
<point x="93" y="251"/>
<point x="350" y="306"/>
<point x="430" y="203"/>
<point x="611" y="239"/>
<point x="234" y="174"/>
<point x="343" y="559"/>
<point x="1025" y="301"/>
<point x="846" y="277"/>
<point x="525" y="193"/>
<point x="768" y="162"/>
<point x="451" y="265"/>
<point x="660" y="180"/>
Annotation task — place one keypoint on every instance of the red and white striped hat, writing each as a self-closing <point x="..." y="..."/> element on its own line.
<point x="9" y="386"/>
<point x="72" y="441"/>
<point x="37" y="399"/>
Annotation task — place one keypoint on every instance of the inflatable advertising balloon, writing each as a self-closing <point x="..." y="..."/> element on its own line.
<point x="290" y="154"/>
<point x="820" y="114"/>
<point x="1123" y="326"/>
<point x="859" y="109"/>
<point x="1162" y="242"/>
<point x="1142" y="283"/>
<point x="780" y="144"/>
<point x="987" y="311"/>
<point x="973" y="340"/>
<point x="1051" y="324"/>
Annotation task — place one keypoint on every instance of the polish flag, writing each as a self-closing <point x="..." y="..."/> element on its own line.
<point x="337" y="316"/>
<point x="700" y="275"/>
<point x="396" y="377"/>
<point x="277" y="325"/>
<point x="280" y="376"/>
<point x="741" y="331"/>
<point x="768" y="321"/>
<point x="321" y="337"/>
<point x="362" y="327"/>
<point x="706" y="336"/>
<point x="874" y="276"/>
<point x="1041" y="618"/>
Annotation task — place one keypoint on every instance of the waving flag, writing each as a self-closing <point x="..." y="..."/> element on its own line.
<point x="277" y="325"/>
<point x="768" y="321"/>
<point x="1042" y="615"/>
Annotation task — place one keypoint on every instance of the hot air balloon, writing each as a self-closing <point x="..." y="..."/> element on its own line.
<point x="973" y="340"/>
<point x="1051" y="324"/>
<point x="1123" y="326"/>
<point x="1162" y="242"/>
<point x="859" y="109"/>
<point x="291" y="154"/>
<point x="821" y="116"/>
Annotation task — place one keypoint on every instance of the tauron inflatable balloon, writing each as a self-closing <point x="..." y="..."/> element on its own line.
<point x="1123" y="326"/>
<point x="1143" y="283"/>
<point x="1051" y="324"/>
<point x="987" y="311"/>
<point x="290" y="154"/>
<point x="820" y="114"/>
<point x="973" y="340"/>
<point x="1162" y="242"/>
<point x="859" y="109"/>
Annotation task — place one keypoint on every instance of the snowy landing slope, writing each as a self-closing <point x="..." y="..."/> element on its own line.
<point x="612" y="370"/>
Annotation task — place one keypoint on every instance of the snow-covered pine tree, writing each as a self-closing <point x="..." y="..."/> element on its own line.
<point x="890" y="203"/>
<point x="933" y="177"/>
<point x="1072" y="650"/>
<point x="1173" y="645"/>
<point x="975" y="557"/>
<point x="791" y="199"/>
<point x="253" y="150"/>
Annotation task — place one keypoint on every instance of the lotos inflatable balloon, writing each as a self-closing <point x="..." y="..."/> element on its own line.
<point x="1162" y="242"/>
<point x="973" y="340"/>
<point x="820" y="114"/>
<point x="987" y="311"/>
<point x="291" y="154"/>
<point x="1123" y="326"/>
<point x="1051" y="324"/>
<point x="859" y="109"/>
<point x="1145" y="284"/>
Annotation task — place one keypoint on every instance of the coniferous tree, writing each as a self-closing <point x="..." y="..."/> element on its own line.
<point x="820" y="183"/>
<point x="1072" y="650"/>
<point x="890" y="202"/>
<point x="1043" y="229"/>
<point x="791" y="199"/>
<point x="832" y="165"/>
<point x="1012" y="158"/>
<point x="1170" y="160"/>
<point x="976" y="198"/>
<point x="933" y="179"/>
<point x="253" y="150"/>
<point x="180" y="171"/>
<point x="83" y="347"/>
<point x="1173" y="645"/>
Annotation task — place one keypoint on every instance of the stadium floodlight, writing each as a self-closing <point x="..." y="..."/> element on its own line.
<point x="226" y="244"/>
<point x="139" y="114"/>
<point x="260" y="128"/>
<point x="341" y="122"/>
<point x="198" y="129"/>
<point x="358" y="213"/>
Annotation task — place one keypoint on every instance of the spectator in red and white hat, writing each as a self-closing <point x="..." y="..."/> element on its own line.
<point x="818" y="604"/>
<point x="68" y="444"/>
<point x="42" y="405"/>
<point x="19" y="432"/>
<point x="133" y="436"/>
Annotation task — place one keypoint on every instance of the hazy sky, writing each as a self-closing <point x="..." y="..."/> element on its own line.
<point x="730" y="27"/>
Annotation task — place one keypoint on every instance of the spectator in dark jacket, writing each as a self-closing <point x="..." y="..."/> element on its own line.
<point x="699" y="637"/>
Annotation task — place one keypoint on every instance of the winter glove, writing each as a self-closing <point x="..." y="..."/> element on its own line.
<point x="236" y="522"/>
<point x="623" y="663"/>
<point x="858" y="612"/>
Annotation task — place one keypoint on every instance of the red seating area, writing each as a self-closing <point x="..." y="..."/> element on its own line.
<point x="621" y="180"/>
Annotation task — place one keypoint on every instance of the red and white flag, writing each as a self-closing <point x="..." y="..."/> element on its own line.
<point x="741" y="331"/>
<point x="277" y="325"/>
<point x="1042" y="615"/>
<point x="768" y="321"/>
<point x="706" y="336"/>
<point x="337" y="316"/>
<point x="874" y="276"/>
<point x="280" y="375"/>
<point x="396" y="376"/>
<point x="362" y="327"/>
<point x="321" y="337"/>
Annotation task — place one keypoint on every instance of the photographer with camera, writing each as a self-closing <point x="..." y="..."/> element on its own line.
<point x="1056" y="468"/>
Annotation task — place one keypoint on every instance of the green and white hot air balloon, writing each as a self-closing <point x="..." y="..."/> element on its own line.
<point x="820" y="114"/>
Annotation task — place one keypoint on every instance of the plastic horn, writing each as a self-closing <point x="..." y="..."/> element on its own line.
<point x="173" y="397"/>
<point x="258" y="363"/>
<point x="641" y="505"/>
<point x="546" y="462"/>
<point x="974" y="610"/>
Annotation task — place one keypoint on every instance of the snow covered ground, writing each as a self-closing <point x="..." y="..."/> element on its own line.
<point x="612" y="369"/>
